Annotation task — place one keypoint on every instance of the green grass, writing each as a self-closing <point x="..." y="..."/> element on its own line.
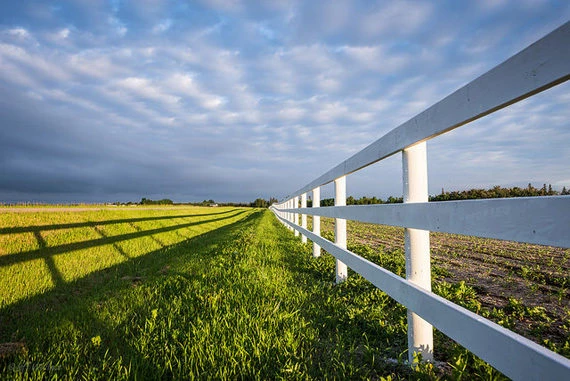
<point x="197" y="293"/>
<point x="42" y="250"/>
<point x="237" y="297"/>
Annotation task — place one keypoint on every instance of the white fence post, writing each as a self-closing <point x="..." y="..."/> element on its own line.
<point x="296" y="215"/>
<point x="340" y="226"/>
<point x="303" y="216"/>
<point x="289" y="215"/>
<point x="316" y="221"/>
<point x="418" y="268"/>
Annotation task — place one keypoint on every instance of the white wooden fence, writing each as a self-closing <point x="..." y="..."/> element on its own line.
<point x="540" y="220"/>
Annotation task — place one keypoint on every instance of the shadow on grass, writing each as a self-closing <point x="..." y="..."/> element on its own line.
<point x="37" y="228"/>
<point x="48" y="252"/>
<point x="25" y="316"/>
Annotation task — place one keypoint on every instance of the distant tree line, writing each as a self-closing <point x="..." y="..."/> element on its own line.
<point x="164" y="201"/>
<point x="359" y="201"/>
<point x="499" y="192"/>
<point x="258" y="203"/>
<point x="471" y="194"/>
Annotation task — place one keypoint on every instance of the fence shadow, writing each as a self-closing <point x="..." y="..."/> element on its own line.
<point x="36" y="228"/>
<point x="110" y="280"/>
<point x="74" y="302"/>
<point x="44" y="251"/>
<point x="48" y="253"/>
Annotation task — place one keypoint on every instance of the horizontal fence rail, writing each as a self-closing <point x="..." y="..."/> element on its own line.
<point x="537" y="220"/>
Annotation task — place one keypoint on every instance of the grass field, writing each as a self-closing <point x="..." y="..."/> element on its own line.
<point x="193" y="293"/>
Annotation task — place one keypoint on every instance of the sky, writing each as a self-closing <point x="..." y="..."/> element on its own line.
<point x="234" y="100"/>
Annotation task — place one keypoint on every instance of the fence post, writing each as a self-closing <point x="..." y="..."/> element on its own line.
<point x="340" y="226"/>
<point x="316" y="220"/>
<point x="418" y="268"/>
<point x="291" y="213"/>
<point x="288" y="203"/>
<point x="303" y="216"/>
<point x="296" y="215"/>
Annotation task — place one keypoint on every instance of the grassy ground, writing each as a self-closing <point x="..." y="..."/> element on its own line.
<point x="40" y="251"/>
<point x="195" y="293"/>
<point x="523" y="287"/>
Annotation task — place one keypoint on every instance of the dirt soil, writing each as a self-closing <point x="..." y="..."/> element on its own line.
<point x="538" y="276"/>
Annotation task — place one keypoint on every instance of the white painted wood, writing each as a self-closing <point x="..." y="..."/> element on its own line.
<point x="290" y="202"/>
<point x="296" y="214"/>
<point x="538" y="220"/>
<point x="340" y="226"/>
<point x="512" y="354"/>
<point x="316" y="221"/>
<point x="418" y="267"/>
<point x="290" y="214"/>
<point x="304" y="216"/>
<point x="537" y="68"/>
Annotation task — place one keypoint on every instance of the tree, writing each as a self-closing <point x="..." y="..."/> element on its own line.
<point x="259" y="203"/>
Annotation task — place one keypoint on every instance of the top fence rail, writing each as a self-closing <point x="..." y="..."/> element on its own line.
<point x="539" y="67"/>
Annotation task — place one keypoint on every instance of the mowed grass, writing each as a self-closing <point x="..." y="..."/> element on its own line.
<point x="184" y="294"/>
<point x="195" y="293"/>
<point x="40" y="251"/>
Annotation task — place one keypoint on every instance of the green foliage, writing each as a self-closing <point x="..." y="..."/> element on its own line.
<point x="495" y="192"/>
<point x="260" y="203"/>
<point x="459" y="293"/>
<point x="164" y="201"/>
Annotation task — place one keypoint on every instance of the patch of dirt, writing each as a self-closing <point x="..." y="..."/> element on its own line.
<point x="11" y="349"/>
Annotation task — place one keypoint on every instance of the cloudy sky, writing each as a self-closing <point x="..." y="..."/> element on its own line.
<point x="234" y="100"/>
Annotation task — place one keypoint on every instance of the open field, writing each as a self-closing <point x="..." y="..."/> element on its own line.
<point x="210" y="293"/>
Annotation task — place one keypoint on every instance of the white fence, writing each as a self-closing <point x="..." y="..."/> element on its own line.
<point x="540" y="220"/>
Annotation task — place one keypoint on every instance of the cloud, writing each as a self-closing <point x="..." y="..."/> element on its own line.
<point x="163" y="26"/>
<point x="396" y="18"/>
<point x="35" y="63"/>
<point x="144" y="88"/>
<point x="185" y="85"/>
<point x="117" y="26"/>
<point x="234" y="100"/>
<point x="19" y="33"/>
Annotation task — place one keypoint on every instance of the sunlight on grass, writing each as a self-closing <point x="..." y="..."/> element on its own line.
<point x="206" y="293"/>
<point x="42" y="249"/>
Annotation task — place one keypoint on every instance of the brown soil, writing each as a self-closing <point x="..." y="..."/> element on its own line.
<point x="498" y="270"/>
